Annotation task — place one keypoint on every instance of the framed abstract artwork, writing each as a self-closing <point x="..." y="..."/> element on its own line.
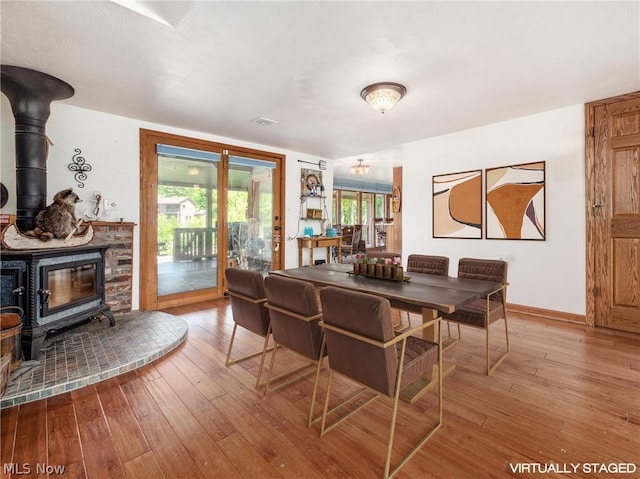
<point x="515" y="202"/>
<point x="457" y="205"/>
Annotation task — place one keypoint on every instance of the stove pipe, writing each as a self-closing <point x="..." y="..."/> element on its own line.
<point x="30" y="93"/>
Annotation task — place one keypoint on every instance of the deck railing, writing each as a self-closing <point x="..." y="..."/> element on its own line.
<point x="194" y="243"/>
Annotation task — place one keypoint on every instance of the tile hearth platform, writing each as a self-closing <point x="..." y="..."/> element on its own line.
<point x="94" y="352"/>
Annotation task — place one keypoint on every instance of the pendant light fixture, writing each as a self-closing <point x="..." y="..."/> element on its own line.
<point x="360" y="169"/>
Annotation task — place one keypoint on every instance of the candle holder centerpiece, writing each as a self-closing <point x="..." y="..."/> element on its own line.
<point x="387" y="268"/>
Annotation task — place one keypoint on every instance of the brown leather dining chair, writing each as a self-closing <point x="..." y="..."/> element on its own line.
<point x="361" y="345"/>
<point x="295" y="316"/>
<point x="430" y="264"/>
<point x="484" y="311"/>
<point x="248" y="298"/>
<point x="427" y="264"/>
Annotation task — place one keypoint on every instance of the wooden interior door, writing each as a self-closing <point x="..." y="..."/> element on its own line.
<point x="613" y="219"/>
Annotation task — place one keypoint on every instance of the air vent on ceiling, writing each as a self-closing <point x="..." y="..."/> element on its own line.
<point x="261" y="120"/>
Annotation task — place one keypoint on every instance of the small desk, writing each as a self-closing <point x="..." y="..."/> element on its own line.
<point x="319" y="242"/>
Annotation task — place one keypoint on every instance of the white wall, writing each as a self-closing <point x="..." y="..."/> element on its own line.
<point x="544" y="274"/>
<point x="110" y="144"/>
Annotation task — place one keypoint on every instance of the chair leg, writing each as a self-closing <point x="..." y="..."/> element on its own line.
<point x="490" y="369"/>
<point x="449" y="330"/>
<point x="270" y="377"/>
<point x="456" y="340"/>
<point x="487" y="349"/>
<point x="273" y="360"/>
<point x="326" y="411"/>
<point x="311" y="420"/>
<point x="228" y="362"/>
<point x="233" y="337"/>
<point x="291" y="374"/>
<point x="400" y="327"/>
<point x="394" y="412"/>
<point x="326" y="404"/>
<point x="388" y="474"/>
<point x="392" y="429"/>
<point x="264" y="354"/>
<point x="506" y="333"/>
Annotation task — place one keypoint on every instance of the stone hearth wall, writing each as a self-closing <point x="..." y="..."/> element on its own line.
<point x="118" y="266"/>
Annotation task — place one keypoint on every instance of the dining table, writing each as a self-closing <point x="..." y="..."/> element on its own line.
<point x="425" y="294"/>
<point x="416" y="292"/>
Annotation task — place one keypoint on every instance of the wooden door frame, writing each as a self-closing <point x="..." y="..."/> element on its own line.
<point x="277" y="260"/>
<point x="593" y="227"/>
<point x="148" y="296"/>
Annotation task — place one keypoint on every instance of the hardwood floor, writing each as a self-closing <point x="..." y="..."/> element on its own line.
<point x="567" y="394"/>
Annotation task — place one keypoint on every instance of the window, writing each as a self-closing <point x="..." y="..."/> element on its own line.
<point x="349" y="208"/>
<point x="380" y="203"/>
<point x="360" y="208"/>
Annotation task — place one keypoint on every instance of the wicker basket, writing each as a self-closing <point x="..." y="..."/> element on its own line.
<point x="10" y="334"/>
<point x="314" y="214"/>
<point x="5" y="362"/>
<point x="10" y="344"/>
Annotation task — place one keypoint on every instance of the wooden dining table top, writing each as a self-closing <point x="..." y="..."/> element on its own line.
<point x="420" y="291"/>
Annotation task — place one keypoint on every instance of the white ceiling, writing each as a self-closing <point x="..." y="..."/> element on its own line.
<point x="219" y="65"/>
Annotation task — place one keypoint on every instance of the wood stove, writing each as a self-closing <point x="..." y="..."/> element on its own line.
<point x="57" y="288"/>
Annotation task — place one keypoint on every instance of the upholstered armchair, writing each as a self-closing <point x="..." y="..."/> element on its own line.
<point x="484" y="311"/>
<point x="295" y="316"/>
<point x="362" y="346"/>
<point x="248" y="298"/>
<point x="429" y="264"/>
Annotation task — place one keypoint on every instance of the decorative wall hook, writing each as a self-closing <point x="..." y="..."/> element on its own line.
<point x="80" y="166"/>
<point x="322" y="164"/>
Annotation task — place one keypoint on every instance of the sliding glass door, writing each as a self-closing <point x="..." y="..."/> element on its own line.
<point x="253" y="233"/>
<point x="205" y="207"/>
<point x="187" y="219"/>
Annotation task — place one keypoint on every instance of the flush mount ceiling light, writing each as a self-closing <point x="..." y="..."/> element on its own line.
<point x="383" y="96"/>
<point x="360" y="169"/>
<point x="193" y="171"/>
